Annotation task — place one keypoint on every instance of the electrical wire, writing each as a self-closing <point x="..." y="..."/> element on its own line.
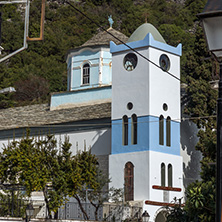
<point x="121" y="41"/>
<point x="109" y="124"/>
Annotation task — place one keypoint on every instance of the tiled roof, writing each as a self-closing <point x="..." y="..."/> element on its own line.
<point x="103" y="38"/>
<point x="37" y="115"/>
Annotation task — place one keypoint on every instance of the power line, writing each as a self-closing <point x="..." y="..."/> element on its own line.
<point x="121" y="41"/>
<point x="109" y="124"/>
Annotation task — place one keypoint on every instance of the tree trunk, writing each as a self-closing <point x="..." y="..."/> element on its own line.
<point x="81" y="207"/>
<point x="56" y="215"/>
<point x="47" y="203"/>
<point x="96" y="210"/>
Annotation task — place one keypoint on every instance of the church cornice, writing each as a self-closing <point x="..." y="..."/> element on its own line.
<point x="79" y="50"/>
<point x="148" y="41"/>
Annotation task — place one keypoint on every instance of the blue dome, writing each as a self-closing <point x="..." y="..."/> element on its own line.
<point x="141" y="32"/>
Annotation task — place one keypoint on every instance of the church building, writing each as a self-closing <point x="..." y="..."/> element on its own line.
<point x="122" y="103"/>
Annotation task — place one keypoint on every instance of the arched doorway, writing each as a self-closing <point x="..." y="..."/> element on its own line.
<point x="161" y="216"/>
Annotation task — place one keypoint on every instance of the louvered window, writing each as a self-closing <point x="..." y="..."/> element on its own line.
<point x="86" y="74"/>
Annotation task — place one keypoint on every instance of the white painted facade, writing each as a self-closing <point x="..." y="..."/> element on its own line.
<point x="98" y="140"/>
<point x="147" y="173"/>
<point x="147" y="87"/>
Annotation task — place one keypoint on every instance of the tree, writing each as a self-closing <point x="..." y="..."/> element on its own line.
<point x="66" y="180"/>
<point x="200" y="203"/>
<point x="29" y="163"/>
<point x="87" y="164"/>
<point x="34" y="88"/>
<point x="96" y="196"/>
<point x="36" y="165"/>
<point x="177" y="213"/>
<point x="201" y="107"/>
<point x="94" y="185"/>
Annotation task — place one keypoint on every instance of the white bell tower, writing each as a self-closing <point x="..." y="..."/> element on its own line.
<point x="145" y="158"/>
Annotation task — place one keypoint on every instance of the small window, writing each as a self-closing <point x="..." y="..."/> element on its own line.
<point x="129" y="181"/>
<point x="130" y="61"/>
<point x="164" y="62"/>
<point x="86" y="74"/>
<point x="165" y="107"/>
<point x="168" y="131"/>
<point x="134" y="129"/>
<point x="163" y="175"/>
<point x="170" y="175"/>
<point x="125" y="130"/>
<point x="161" y="129"/>
<point x="129" y="106"/>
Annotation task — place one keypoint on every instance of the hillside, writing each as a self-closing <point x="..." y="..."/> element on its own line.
<point x="41" y="68"/>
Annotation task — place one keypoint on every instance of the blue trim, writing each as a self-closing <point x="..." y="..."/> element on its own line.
<point x="80" y="96"/>
<point x="147" y="41"/>
<point x="148" y="136"/>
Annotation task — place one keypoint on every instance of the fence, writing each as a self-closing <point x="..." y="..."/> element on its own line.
<point x="12" y="202"/>
<point x="13" y="208"/>
<point x="107" y="212"/>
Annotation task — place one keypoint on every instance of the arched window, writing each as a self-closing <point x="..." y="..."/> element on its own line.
<point x="125" y="130"/>
<point x="163" y="175"/>
<point x="129" y="181"/>
<point x="170" y="175"/>
<point x="134" y="129"/>
<point x="85" y="74"/>
<point x="168" y="131"/>
<point x="161" y="129"/>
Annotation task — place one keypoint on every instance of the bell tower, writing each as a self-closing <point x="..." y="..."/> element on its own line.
<point x="145" y="158"/>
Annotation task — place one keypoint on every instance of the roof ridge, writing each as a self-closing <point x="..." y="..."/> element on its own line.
<point x="104" y="38"/>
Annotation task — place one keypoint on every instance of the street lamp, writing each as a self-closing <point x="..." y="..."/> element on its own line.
<point x="211" y="18"/>
<point x="29" y="212"/>
<point x="145" y="216"/>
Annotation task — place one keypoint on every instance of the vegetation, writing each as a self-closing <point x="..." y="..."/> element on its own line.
<point x="65" y="28"/>
<point x="37" y="165"/>
<point x="200" y="203"/>
<point x="201" y="69"/>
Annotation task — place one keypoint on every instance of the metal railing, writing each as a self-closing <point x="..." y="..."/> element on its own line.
<point x="107" y="212"/>
<point x="12" y="208"/>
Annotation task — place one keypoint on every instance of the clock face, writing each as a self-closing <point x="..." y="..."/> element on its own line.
<point x="164" y="62"/>
<point x="130" y="61"/>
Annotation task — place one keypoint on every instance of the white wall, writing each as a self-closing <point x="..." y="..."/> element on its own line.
<point x="141" y="171"/>
<point x="147" y="86"/>
<point x="155" y="161"/>
<point x="164" y="88"/>
<point x="98" y="139"/>
<point x="130" y="86"/>
<point x="147" y="172"/>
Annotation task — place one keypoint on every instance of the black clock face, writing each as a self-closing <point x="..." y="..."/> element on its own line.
<point x="130" y="61"/>
<point x="164" y="62"/>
